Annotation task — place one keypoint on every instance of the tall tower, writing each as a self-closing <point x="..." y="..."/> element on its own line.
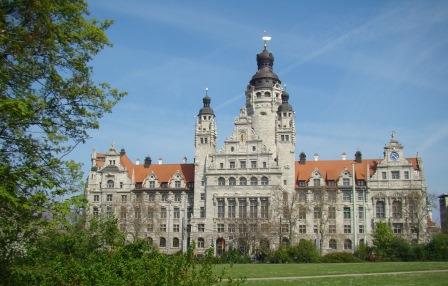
<point x="263" y="97"/>
<point x="286" y="141"/>
<point x="205" y="145"/>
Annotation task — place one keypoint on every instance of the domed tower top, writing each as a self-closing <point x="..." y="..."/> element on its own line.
<point x="206" y="109"/>
<point x="265" y="77"/>
<point x="285" y="106"/>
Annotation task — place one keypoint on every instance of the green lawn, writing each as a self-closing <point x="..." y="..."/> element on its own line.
<point x="284" y="270"/>
<point x="426" y="279"/>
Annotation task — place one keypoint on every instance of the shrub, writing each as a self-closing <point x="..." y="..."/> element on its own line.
<point x="364" y="252"/>
<point x="437" y="248"/>
<point x="280" y="255"/>
<point x="304" y="252"/>
<point x="338" y="257"/>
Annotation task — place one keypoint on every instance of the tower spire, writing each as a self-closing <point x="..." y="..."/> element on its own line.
<point x="266" y="38"/>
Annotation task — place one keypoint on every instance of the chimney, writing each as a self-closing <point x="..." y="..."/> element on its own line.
<point x="137" y="162"/>
<point x="122" y="152"/>
<point x="344" y="156"/>
<point x="160" y="161"/>
<point x="358" y="157"/>
<point x="302" y="158"/>
<point x="316" y="157"/>
<point x="185" y="160"/>
<point x="147" y="162"/>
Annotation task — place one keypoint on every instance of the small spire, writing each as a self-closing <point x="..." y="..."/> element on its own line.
<point x="393" y="134"/>
<point x="266" y="38"/>
<point x="206" y="91"/>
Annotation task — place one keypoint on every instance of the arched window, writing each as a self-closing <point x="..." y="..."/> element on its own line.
<point x="162" y="242"/>
<point x="333" y="244"/>
<point x="150" y="241"/>
<point x="110" y="184"/>
<point x="380" y="209"/>
<point x="201" y="242"/>
<point x="243" y="181"/>
<point x="396" y="209"/>
<point x="232" y="181"/>
<point x="253" y="181"/>
<point x="285" y="241"/>
<point x="264" y="181"/>
<point x="347" y="244"/>
<point x="175" y="242"/>
<point x="221" y="181"/>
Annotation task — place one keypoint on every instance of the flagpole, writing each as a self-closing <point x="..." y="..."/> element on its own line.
<point x="355" y="224"/>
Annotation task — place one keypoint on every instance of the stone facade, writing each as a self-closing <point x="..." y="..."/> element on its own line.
<point x="251" y="193"/>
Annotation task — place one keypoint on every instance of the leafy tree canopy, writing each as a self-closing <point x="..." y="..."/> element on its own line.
<point x="48" y="103"/>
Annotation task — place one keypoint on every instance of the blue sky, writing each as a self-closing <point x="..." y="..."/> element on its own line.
<point x="355" y="71"/>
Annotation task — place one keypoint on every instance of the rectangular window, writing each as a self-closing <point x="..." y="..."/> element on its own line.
<point x="177" y="197"/>
<point x="96" y="198"/>
<point x="177" y="184"/>
<point x="124" y="198"/>
<point x="347" y="196"/>
<point x="138" y="197"/>
<point x="231" y="208"/>
<point x="164" y="185"/>
<point x="176" y="213"/>
<point x="121" y="185"/>
<point x="316" y="182"/>
<point x="395" y="175"/>
<point x="253" y="208"/>
<point x="302" y="184"/>
<point x="360" y="196"/>
<point x="201" y="227"/>
<point x="302" y="212"/>
<point x="221" y="207"/>
<point x="202" y="196"/>
<point x="384" y="175"/>
<point x="285" y="228"/>
<point x="220" y="227"/>
<point x="150" y="213"/>
<point x="152" y="197"/>
<point x="317" y="212"/>
<point x="243" y="164"/>
<point x="360" y="183"/>
<point x="406" y="175"/>
<point x="202" y="212"/>
<point x="162" y="212"/>
<point x="221" y="165"/>
<point x="315" y="229"/>
<point x="242" y="208"/>
<point x="264" y="208"/>
<point x="163" y="228"/>
<point x="347" y="213"/>
<point x="253" y="228"/>
<point x="302" y="228"/>
<point x="242" y="228"/>
<point x="317" y="196"/>
<point x="176" y="228"/>
<point x="137" y="213"/>
<point x="361" y="228"/>
<point x="331" y="183"/>
<point x="332" y="212"/>
<point x="253" y="164"/>
<point x="398" y="228"/>
<point x="109" y="198"/>
<point x="361" y="213"/>
<point x="231" y="228"/>
<point x="347" y="228"/>
<point x="332" y="228"/>
<point x="164" y="197"/>
<point x="331" y="196"/>
<point x="264" y="165"/>
<point x="232" y="165"/>
<point x="346" y="182"/>
<point x="302" y="196"/>
<point x="123" y="213"/>
<point x="152" y="184"/>
<point x="150" y="228"/>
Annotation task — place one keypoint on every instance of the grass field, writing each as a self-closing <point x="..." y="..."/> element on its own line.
<point x="303" y="270"/>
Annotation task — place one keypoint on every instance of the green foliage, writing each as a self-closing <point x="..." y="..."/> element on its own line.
<point x="281" y="255"/>
<point x="437" y="248"/>
<point x="48" y="103"/>
<point x="98" y="255"/>
<point x="339" y="257"/>
<point x="233" y="256"/>
<point x="304" y="252"/>
<point x="364" y="252"/>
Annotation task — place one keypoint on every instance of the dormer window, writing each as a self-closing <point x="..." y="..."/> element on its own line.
<point x="152" y="184"/>
<point x="346" y="182"/>
<point x="317" y="182"/>
<point x="360" y="183"/>
<point x="177" y="184"/>
<point x="302" y="184"/>
<point x="331" y="183"/>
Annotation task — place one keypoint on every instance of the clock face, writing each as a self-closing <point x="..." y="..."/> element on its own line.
<point x="394" y="156"/>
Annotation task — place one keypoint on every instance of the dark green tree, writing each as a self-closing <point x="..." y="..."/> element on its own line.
<point x="48" y="103"/>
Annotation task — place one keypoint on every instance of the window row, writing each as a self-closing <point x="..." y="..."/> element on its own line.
<point x="395" y="175"/>
<point x="330" y="195"/>
<point x="397" y="209"/>
<point x="254" y="209"/>
<point x="346" y="182"/>
<point x="243" y="164"/>
<point x="242" y="181"/>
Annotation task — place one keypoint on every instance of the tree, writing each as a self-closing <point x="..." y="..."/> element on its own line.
<point x="287" y="209"/>
<point x="48" y="103"/>
<point x="382" y="238"/>
<point x="416" y="212"/>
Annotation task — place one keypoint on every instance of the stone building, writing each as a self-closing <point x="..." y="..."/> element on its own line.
<point x="251" y="193"/>
<point x="443" y="204"/>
